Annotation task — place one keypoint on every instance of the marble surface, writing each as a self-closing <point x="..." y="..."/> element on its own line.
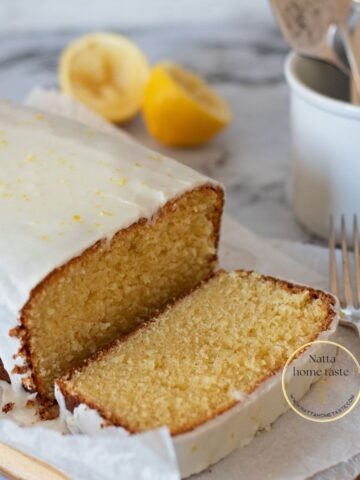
<point x="24" y="14"/>
<point x="245" y="63"/>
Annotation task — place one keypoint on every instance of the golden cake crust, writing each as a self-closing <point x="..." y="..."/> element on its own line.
<point x="33" y="383"/>
<point x="74" y="400"/>
<point x="3" y="373"/>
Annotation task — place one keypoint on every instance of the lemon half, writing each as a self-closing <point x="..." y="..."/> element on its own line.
<point x="106" y="72"/>
<point x="180" y="109"/>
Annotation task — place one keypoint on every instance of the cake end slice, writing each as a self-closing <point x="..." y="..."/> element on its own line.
<point x="193" y="364"/>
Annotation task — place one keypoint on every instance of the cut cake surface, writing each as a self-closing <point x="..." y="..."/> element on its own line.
<point x="201" y="355"/>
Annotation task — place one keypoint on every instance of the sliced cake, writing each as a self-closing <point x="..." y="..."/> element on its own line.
<point x="208" y="367"/>
<point x="98" y="233"/>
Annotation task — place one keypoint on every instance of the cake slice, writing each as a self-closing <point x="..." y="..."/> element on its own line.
<point x="204" y="367"/>
<point x="98" y="233"/>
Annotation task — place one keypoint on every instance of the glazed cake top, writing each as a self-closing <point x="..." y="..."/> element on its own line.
<point x="63" y="187"/>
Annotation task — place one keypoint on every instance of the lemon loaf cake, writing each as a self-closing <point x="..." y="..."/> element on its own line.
<point x="208" y="367"/>
<point x="97" y="234"/>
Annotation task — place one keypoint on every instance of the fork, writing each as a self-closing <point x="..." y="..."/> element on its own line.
<point x="350" y="300"/>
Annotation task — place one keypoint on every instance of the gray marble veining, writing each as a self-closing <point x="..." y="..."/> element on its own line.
<point x="245" y="63"/>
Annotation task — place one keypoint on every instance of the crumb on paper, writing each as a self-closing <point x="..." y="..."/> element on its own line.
<point x="30" y="404"/>
<point x="8" y="407"/>
<point x="48" y="412"/>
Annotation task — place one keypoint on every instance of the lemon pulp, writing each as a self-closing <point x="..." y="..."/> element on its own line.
<point x="106" y="72"/>
<point x="180" y="109"/>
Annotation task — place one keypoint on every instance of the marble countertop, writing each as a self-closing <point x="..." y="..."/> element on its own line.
<point x="245" y="63"/>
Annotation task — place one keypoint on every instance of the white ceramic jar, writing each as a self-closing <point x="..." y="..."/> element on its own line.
<point x="325" y="145"/>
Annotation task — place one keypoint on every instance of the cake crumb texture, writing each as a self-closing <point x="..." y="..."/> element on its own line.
<point x="201" y="355"/>
<point x="114" y="286"/>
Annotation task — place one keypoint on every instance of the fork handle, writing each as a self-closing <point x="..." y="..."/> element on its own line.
<point x="16" y="465"/>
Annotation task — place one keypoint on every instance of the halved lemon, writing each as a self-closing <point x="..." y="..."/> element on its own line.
<point x="180" y="109"/>
<point x="106" y="72"/>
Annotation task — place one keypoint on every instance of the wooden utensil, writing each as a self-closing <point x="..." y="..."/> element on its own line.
<point x="314" y="28"/>
<point x="348" y="22"/>
<point x="16" y="465"/>
<point x="309" y="28"/>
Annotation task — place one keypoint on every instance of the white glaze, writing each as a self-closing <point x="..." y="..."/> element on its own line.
<point x="217" y="438"/>
<point x="63" y="187"/>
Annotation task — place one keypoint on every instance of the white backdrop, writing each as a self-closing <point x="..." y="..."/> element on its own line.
<point x="20" y="15"/>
